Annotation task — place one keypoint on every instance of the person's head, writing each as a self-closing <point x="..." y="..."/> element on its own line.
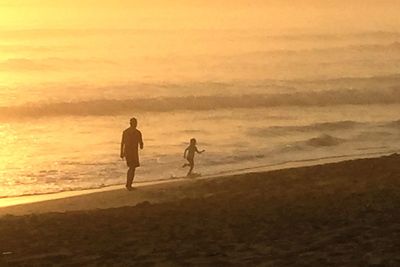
<point x="193" y="141"/>
<point x="133" y="122"/>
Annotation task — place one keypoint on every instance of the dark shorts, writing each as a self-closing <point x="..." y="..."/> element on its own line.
<point x="132" y="160"/>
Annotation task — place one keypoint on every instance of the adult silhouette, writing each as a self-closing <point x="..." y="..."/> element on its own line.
<point x="131" y="141"/>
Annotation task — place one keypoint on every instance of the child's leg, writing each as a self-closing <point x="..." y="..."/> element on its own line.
<point x="186" y="164"/>
<point x="191" y="164"/>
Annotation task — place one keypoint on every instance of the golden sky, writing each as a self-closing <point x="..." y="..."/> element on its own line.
<point x="274" y="14"/>
<point x="78" y="40"/>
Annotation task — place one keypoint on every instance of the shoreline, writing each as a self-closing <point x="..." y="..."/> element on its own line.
<point x="336" y="214"/>
<point x="20" y="205"/>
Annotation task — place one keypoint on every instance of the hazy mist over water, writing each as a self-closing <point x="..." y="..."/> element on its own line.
<point x="253" y="89"/>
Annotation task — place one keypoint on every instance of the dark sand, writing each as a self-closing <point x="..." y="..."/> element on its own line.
<point x="341" y="214"/>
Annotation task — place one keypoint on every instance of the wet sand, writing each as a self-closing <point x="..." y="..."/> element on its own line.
<point x="339" y="214"/>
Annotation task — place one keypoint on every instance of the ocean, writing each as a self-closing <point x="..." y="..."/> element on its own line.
<point x="260" y="100"/>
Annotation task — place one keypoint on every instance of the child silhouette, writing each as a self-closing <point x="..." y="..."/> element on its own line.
<point x="189" y="155"/>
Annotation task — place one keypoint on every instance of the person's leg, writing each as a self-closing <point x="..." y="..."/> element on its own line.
<point x="186" y="164"/>
<point x="191" y="164"/>
<point x="129" y="178"/>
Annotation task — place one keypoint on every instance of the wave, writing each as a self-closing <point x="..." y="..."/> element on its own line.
<point x="324" y="140"/>
<point x="330" y="127"/>
<point x="389" y="47"/>
<point x="105" y="107"/>
<point x="394" y="124"/>
<point x="319" y="127"/>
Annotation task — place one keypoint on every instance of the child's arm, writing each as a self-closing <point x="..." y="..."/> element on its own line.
<point x="199" y="151"/>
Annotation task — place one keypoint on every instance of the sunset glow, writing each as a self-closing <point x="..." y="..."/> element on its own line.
<point x="199" y="132"/>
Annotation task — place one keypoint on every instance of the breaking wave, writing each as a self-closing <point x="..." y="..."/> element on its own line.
<point x="319" y="127"/>
<point x="104" y="107"/>
<point x="394" y="124"/>
<point x="324" y="140"/>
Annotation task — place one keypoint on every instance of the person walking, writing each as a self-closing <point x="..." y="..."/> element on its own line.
<point x="131" y="141"/>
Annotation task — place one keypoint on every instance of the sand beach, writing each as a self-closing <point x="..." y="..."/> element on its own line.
<point x="338" y="214"/>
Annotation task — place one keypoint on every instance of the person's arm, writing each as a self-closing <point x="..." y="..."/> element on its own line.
<point x="184" y="153"/>
<point x="141" y="141"/>
<point x="122" y="155"/>
<point x="199" y="151"/>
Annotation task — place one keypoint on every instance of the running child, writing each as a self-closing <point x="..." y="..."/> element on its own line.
<point x="189" y="155"/>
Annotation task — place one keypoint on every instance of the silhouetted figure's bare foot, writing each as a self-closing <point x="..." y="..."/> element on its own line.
<point x="129" y="188"/>
<point x="193" y="175"/>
